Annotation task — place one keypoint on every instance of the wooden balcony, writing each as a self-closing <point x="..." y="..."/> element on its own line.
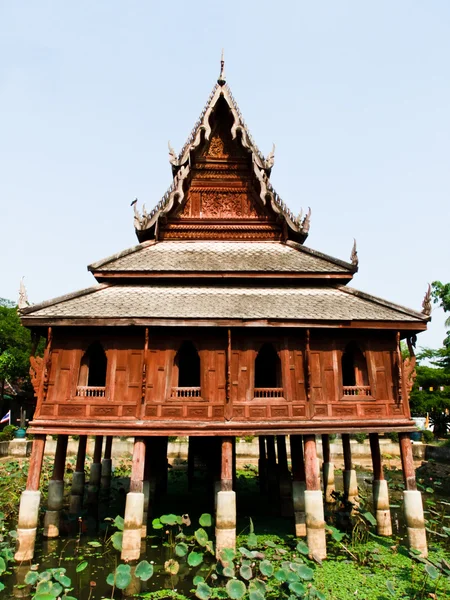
<point x="356" y="390"/>
<point x="89" y="391"/>
<point x="268" y="393"/>
<point x="186" y="392"/>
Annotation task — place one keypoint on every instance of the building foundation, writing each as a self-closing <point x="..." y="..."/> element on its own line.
<point x="315" y="519"/>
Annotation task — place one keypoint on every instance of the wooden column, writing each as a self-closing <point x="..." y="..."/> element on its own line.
<point x="226" y="474"/>
<point x="78" y="479"/>
<point x="29" y="503"/>
<point x="98" y="449"/>
<point x="298" y="484"/>
<point x="412" y="499"/>
<point x="327" y="470"/>
<point x="272" y="476"/>
<point x="191" y="462"/>
<point x="96" y="472"/>
<point x="226" y="501"/>
<point x="262" y="465"/>
<point x="56" y="489"/>
<point x="380" y="489"/>
<point x="284" y="478"/>
<point x="409" y="472"/>
<point x="107" y="464"/>
<point x="349" y="475"/>
<point x="315" y="520"/>
<point x="134" y="508"/>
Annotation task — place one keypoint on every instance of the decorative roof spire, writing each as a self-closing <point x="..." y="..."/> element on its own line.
<point x="426" y="302"/>
<point x="173" y="158"/>
<point x="354" y="255"/>
<point x="270" y="160"/>
<point x="23" y="296"/>
<point x="222" y="80"/>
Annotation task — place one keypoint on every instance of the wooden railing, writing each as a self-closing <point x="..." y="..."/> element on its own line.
<point x="90" y="391"/>
<point x="186" y="392"/>
<point x="268" y="393"/>
<point x="357" y="390"/>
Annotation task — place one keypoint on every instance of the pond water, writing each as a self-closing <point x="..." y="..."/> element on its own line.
<point x="87" y="540"/>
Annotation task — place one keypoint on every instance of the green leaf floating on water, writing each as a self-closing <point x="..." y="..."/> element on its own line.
<point x="156" y="524"/>
<point x="266" y="568"/>
<point x="297" y="588"/>
<point x="195" y="558"/>
<point x="203" y="591"/>
<point x="228" y="572"/>
<point x="172" y="566"/>
<point x="198" y="579"/>
<point x="44" y="597"/>
<point x="302" y="548"/>
<point x="205" y="520"/>
<point x="81" y="566"/>
<point x="252" y="540"/>
<point x="201" y="536"/>
<point x="305" y="572"/>
<point x="227" y="555"/>
<point x="236" y="589"/>
<point x="31" y="577"/>
<point x="280" y="575"/>
<point x="144" y="570"/>
<point x="246" y="572"/>
<point x="181" y="549"/>
<point x="255" y="595"/>
<point x="169" y="519"/>
<point x="123" y="576"/>
<point x="95" y="544"/>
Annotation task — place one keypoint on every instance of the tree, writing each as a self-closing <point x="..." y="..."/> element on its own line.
<point x="15" y="349"/>
<point x="441" y="295"/>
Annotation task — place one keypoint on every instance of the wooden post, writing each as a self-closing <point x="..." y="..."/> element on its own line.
<point x="134" y="508"/>
<point x="380" y="489"/>
<point x="191" y="462"/>
<point x="272" y="478"/>
<point x="349" y="475"/>
<point x="96" y="472"/>
<point x="226" y="475"/>
<point x="29" y="503"/>
<point x="284" y="478"/>
<point x="327" y="470"/>
<point x="226" y="501"/>
<point x="56" y="489"/>
<point x="298" y="484"/>
<point x="107" y="464"/>
<point x="78" y="480"/>
<point x="147" y="487"/>
<point x="415" y="522"/>
<point x="262" y="465"/>
<point x="315" y="520"/>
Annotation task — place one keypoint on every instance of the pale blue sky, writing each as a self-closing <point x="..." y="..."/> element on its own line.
<point x="356" y="96"/>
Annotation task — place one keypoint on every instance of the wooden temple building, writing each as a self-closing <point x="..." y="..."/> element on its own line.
<point x="222" y="323"/>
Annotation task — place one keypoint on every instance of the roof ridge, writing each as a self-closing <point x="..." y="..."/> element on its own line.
<point x="322" y="255"/>
<point x="64" y="298"/>
<point x="387" y="303"/>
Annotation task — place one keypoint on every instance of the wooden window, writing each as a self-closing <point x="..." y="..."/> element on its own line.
<point x="268" y="382"/>
<point x="92" y="376"/>
<point x="355" y="377"/>
<point x="187" y="367"/>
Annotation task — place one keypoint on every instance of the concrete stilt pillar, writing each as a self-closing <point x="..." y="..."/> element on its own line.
<point x="134" y="508"/>
<point x="412" y="499"/>
<point x="349" y="474"/>
<point x="284" y="479"/>
<point x="96" y="471"/>
<point x="272" y="476"/>
<point x="262" y="465"/>
<point x="226" y="501"/>
<point x="56" y="490"/>
<point x="380" y="489"/>
<point x="78" y="480"/>
<point x="315" y="520"/>
<point x="327" y="471"/>
<point x="298" y="484"/>
<point x="29" y="504"/>
<point x="106" y="473"/>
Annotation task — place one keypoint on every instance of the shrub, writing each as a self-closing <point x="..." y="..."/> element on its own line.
<point x="427" y="436"/>
<point x="393" y="436"/>
<point x="360" y="437"/>
<point x="7" y="433"/>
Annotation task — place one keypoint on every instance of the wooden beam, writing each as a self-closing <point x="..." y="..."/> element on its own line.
<point x="81" y="453"/>
<point x="98" y="449"/>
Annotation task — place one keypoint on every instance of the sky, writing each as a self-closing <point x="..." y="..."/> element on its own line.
<point x="355" y="95"/>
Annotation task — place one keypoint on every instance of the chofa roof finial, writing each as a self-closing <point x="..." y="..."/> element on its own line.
<point x="270" y="160"/>
<point x="354" y="255"/>
<point x="222" y="80"/>
<point x="23" y="296"/>
<point x="426" y="302"/>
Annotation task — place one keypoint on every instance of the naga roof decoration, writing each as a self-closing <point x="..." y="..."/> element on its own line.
<point x="182" y="167"/>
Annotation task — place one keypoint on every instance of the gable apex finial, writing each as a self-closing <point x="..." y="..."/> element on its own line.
<point x="222" y="80"/>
